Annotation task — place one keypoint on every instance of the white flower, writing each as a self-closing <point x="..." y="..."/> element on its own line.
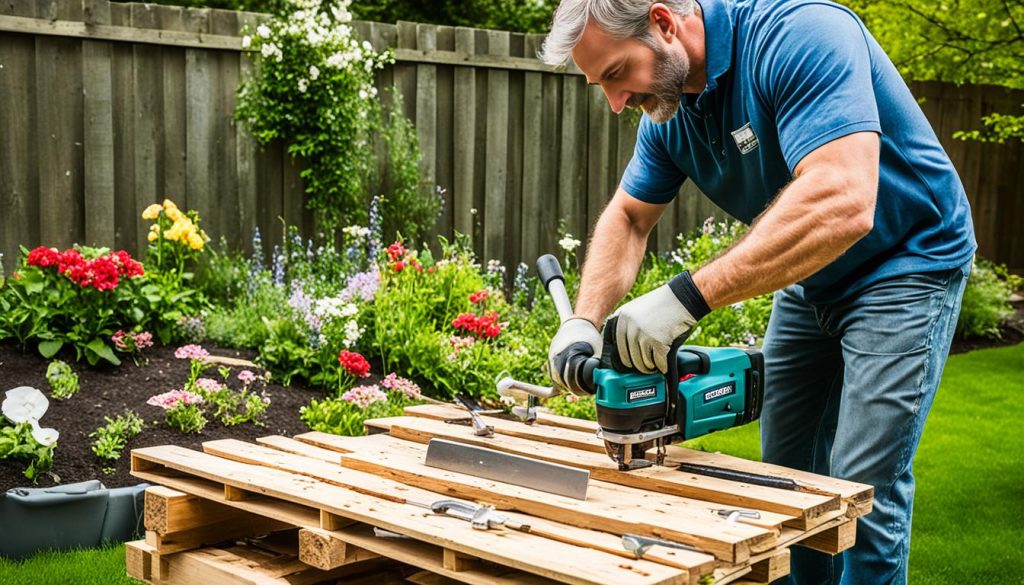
<point x="349" y="310"/>
<point x="246" y="42"/>
<point x="268" y="49"/>
<point x="24" y="404"/>
<point x="367" y="46"/>
<point x="263" y="30"/>
<point x="568" y="243"/>
<point x="303" y="84"/>
<point x="363" y="95"/>
<point x="356" y="231"/>
<point x="314" y="72"/>
<point x="44" y="436"/>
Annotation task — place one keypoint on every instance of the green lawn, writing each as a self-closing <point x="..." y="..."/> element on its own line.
<point x="969" y="509"/>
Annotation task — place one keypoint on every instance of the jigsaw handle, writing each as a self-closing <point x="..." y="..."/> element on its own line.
<point x="550" y="273"/>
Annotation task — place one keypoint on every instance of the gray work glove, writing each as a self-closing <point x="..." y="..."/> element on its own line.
<point x="648" y="325"/>
<point x="576" y="340"/>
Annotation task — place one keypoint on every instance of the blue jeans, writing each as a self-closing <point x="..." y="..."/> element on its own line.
<point x="848" y="388"/>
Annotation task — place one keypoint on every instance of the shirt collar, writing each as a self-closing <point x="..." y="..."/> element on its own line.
<point x="718" y="40"/>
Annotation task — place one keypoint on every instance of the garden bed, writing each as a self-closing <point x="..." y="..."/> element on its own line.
<point x="107" y="392"/>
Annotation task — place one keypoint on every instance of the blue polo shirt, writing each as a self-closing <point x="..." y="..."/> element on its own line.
<point x="783" y="78"/>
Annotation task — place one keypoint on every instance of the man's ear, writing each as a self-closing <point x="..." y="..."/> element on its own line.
<point x="662" y="22"/>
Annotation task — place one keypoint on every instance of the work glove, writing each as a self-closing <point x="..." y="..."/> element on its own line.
<point x="577" y="339"/>
<point x="648" y="325"/>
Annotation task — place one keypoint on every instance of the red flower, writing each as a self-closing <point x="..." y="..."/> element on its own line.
<point x="396" y="251"/>
<point x="354" y="363"/>
<point x="481" y="326"/>
<point x="399" y="266"/>
<point x="479" y="296"/>
<point x="69" y="259"/>
<point x="43" y="257"/>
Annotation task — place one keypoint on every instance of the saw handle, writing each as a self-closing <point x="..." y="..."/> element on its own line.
<point x="550" y="273"/>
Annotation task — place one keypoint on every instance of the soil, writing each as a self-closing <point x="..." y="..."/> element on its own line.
<point x="109" y="391"/>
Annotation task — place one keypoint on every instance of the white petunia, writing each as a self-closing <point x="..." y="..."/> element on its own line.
<point x="263" y="30"/>
<point x="44" y="436"/>
<point x="24" y="403"/>
<point x="246" y="42"/>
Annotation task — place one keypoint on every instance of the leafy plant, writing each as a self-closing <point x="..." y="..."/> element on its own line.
<point x="17" y="442"/>
<point x="77" y="297"/>
<point x="986" y="304"/>
<point x="346" y="414"/>
<point x="26" y="440"/>
<point x="63" y="380"/>
<point x="584" y="407"/>
<point x="182" y="410"/>
<point x="234" y="407"/>
<point x="112" y="438"/>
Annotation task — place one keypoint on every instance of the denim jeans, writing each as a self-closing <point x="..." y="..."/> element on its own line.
<point x="848" y="388"/>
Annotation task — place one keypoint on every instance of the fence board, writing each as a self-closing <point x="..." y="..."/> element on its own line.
<point x="518" y="145"/>
<point x="98" y="143"/>
<point x="148" y="129"/>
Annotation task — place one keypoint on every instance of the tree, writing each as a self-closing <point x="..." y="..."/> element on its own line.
<point x="959" y="41"/>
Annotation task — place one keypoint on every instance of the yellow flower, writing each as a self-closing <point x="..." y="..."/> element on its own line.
<point x="195" y="241"/>
<point x="153" y="236"/>
<point x="152" y="212"/>
<point x="180" y="230"/>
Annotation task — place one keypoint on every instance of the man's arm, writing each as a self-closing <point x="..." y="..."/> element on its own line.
<point x="614" y="254"/>
<point x="825" y="210"/>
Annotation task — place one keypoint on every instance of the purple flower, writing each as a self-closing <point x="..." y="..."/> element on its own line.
<point x="362" y="284"/>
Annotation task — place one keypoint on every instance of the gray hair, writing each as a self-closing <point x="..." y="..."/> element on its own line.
<point x="621" y="19"/>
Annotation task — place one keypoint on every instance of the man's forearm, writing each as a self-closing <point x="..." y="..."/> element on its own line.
<point x="613" y="258"/>
<point x="806" y="229"/>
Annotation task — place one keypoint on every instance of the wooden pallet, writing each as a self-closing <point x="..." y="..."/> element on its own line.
<point x="332" y="492"/>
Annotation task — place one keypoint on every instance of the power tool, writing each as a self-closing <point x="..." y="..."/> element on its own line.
<point x="706" y="389"/>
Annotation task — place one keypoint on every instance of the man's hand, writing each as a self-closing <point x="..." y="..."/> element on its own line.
<point x="649" y="324"/>
<point x="576" y="340"/>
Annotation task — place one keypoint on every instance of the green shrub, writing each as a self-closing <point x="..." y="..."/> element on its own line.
<point x="584" y="407"/>
<point x="986" y="302"/>
<point x="63" y="380"/>
<point x="341" y="416"/>
<point x="17" y="442"/>
<point x="112" y="438"/>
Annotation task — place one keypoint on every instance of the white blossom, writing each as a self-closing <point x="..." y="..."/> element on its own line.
<point x="264" y="31"/>
<point x="246" y="42"/>
<point x="568" y="243"/>
<point x="303" y="84"/>
<point x="314" y="72"/>
<point x="44" y="436"/>
<point x="24" y="404"/>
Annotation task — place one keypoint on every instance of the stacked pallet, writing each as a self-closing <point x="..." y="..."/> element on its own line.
<point x="356" y="509"/>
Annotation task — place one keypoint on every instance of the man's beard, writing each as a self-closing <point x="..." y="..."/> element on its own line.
<point x="670" y="75"/>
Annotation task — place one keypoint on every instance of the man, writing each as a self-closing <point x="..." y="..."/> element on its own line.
<point x="790" y="117"/>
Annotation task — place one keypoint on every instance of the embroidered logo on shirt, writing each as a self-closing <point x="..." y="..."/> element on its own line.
<point x="745" y="138"/>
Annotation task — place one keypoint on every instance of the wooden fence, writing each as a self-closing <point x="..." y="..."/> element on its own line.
<point x="108" y="107"/>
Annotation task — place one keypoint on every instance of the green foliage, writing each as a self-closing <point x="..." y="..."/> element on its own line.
<point x="962" y="41"/>
<point x="512" y="15"/>
<point x="242" y="322"/>
<point x="986" y="304"/>
<point x="584" y="407"/>
<point x="234" y="407"/>
<point x="313" y="87"/>
<point x="342" y="417"/>
<point x="112" y="438"/>
<point x="51" y="310"/>
<point x="187" y="418"/>
<point x="63" y="380"/>
<point x="17" y="442"/>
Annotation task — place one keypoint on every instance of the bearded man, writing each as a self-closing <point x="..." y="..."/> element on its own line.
<point x="791" y="118"/>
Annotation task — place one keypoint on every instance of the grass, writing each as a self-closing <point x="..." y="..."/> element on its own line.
<point x="968" y="512"/>
<point x="969" y="506"/>
<point x="102" y="566"/>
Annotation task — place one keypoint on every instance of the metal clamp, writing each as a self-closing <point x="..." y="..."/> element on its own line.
<point x="734" y="515"/>
<point x="483" y="517"/>
<point x="639" y="545"/>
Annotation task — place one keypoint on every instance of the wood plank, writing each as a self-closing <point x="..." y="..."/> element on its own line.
<point x="445" y="135"/>
<point x="770" y="569"/>
<point x="168" y="511"/>
<point x="235" y="526"/>
<point x="98" y="143"/>
<point x="426" y="112"/>
<point x="546" y="557"/>
<point x="128" y="222"/>
<point x="600" y="142"/>
<point x="324" y="550"/>
<point x="808" y="509"/>
<point x="530" y="501"/>
<point x="246" y="159"/>
<point x="175" y="120"/>
<point x="608" y="507"/>
<point x="58" y="92"/>
<point x="858" y="496"/>
<point x="496" y="167"/>
<point x="572" y="175"/>
<point x="200" y="81"/>
<point x="147" y="93"/>
<point x="19" y="180"/>
<point x="225" y="222"/>
<point x="834" y="540"/>
<point x="536" y="199"/>
<point x="512" y="245"/>
<point x="551" y="129"/>
<point x="465" y="138"/>
<point x="72" y="28"/>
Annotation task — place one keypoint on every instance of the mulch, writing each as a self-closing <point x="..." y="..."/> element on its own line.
<point x="109" y="391"/>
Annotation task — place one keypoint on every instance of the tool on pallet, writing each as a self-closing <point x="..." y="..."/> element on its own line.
<point x="781" y="483"/>
<point x="639" y="545"/>
<point x="481" y="517"/>
<point x="706" y="389"/>
<point x="553" y="478"/>
<point x="735" y="515"/>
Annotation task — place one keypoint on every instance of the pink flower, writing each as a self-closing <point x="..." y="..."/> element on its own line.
<point x="174" y="398"/>
<point x="364" y="396"/>
<point x="143" y="339"/>
<point x="190" y="352"/>
<point x="405" y="386"/>
<point x="208" y="385"/>
<point x="246" y="376"/>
